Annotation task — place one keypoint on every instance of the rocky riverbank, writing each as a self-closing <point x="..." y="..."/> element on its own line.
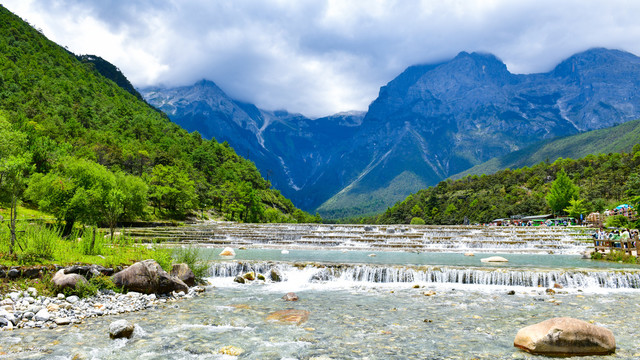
<point x="148" y="286"/>
<point x="26" y="309"/>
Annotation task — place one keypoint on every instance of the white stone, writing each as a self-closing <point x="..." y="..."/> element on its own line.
<point x="228" y="252"/>
<point x="73" y="299"/>
<point x="43" y="315"/>
<point x="61" y="296"/>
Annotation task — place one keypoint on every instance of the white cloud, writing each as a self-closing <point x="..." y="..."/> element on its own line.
<point x="321" y="57"/>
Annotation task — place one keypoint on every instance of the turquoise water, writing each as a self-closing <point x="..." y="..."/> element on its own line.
<point x="409" y="258"/>
<point x="345" y="322"/>
<point x="395" y="305"/>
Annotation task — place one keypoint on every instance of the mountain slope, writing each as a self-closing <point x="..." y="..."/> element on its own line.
<point x="470" y="109"/>
<point x="289" y="149"/>
<point x="68" y="110"/>
<point x="620" y="138"/>
<point x="427" y="124"/>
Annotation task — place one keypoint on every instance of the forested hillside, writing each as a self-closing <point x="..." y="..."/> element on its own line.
<point x="75" y="144"/>
<point x="602" y="180"/>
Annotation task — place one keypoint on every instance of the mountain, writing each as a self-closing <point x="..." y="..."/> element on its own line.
<point x="290" y="150"/>
<point x="616" y="139"/>
<point x="430" y="122"/>
<point x="63" y="112"/>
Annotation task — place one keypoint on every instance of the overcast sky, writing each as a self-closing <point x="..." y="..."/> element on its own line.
<point x="321" y="57"/>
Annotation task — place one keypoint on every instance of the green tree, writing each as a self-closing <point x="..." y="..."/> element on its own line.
<point x="561" y="192"/>
<point x="172" y="189"/>
<point x="576" y="208"/>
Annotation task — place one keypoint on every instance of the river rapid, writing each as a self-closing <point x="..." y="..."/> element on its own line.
<point x="371" y="303"/>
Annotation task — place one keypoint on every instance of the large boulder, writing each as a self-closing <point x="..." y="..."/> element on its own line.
<point x="565" y="336"/>
<point x="121" y="329"/>
<point x="67" y="281"/>
<point x="184" y="273"/>
<point x="149" y="278"/>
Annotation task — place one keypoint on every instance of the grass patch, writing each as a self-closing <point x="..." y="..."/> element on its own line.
<point x="615" y="256"/>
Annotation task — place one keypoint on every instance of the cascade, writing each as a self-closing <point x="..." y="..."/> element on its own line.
<point x="570" y="279"/>
<point x="534" y="240"/>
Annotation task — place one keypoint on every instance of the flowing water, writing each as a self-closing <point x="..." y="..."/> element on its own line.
<point x="394" y="305"/>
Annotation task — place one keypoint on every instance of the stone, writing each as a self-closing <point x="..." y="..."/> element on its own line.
<point x="261" y="277"/>
<point x="511" y="292"/>
<point x="28" y="315"/>
<point x="550" y="291"/>
<point x="4" y="322"/>
<point x="289" y="316"/>
<point x="290" y="297"/>
<point x="148" y="277"/>
<point x="239" y="279"/>
<point x="62" y="321"/>
<point x="8" y="316"/>
<point x="60" y="296"/>
<point x="43" y="315"/>
<point x="250" y="276"/>
<point x="429" y="293"/>
<point x="557" y="286"/>
<point x="121" y="329"/>
<point x="13" y="273"/>
<point x="227" y="252"/>
<point x="494" y="259"/>
<point x="184" y="273"/>
<point x="565" y="336"/>
<point x="67" y="281"/>
<point x="72" y="299"/>
<point x="53" y="307"/>
<point x="231" y="350"/>
<point x="284" y="252"/>
<point x="469" y="254"/>
<point x="276" y="275"/>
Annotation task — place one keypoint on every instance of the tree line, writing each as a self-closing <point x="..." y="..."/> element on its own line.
<point x="564" y="187"/>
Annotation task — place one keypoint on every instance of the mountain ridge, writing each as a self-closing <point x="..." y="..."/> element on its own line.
<point x="430" y="122"/>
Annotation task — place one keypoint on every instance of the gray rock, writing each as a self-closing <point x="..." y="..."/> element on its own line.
<point x="67" y="281"/>
<point x="62" y="321"/>
<point x="13" y="273"/>
<point x="184" y="273"/>
<point x="28" y="315"/>
<point x="239" y="279"/>
<point x="43" y="315"/>
<point x="61" y="296"/>
<point x="565" y="337"/>
<point x="121" y="329"/>
<point x="4" y="322"/>
<point x="72" y="299"/>
<point x="276" y="275"/>
<point x="148" y="277"/>
<point x="290" y="297"/>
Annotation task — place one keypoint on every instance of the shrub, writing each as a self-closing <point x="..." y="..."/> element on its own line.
<point x="192" y="256"/>
<point x="417" y="221"/>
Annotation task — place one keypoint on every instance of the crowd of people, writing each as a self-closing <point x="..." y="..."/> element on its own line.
<point x="615" y="237"/>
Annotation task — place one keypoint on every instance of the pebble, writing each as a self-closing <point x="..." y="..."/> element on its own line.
<point x="49" y="313"/>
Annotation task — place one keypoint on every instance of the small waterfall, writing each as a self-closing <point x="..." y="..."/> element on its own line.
<point x="570" y="279"/>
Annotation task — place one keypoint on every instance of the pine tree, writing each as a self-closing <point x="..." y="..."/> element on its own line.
<point x="562" y="191"/>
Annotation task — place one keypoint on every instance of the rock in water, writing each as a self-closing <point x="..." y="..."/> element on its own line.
<point x="276" y="275"/>
<point x="231" y="350"/>
<point x="290" y="297"/>
<point x="121" y="329"/>
<point x="565" y="337"/>
<point x="67" y="281"/>
<point x="289" y="316"/>
<point x="148" y="277"/>
<point x="184" y="273"/>
<point x="250" y="276"/>
<point x="469" y="254"/>
<point x="239" y="279"/>
<point x="494" y="259"/>
<point x="228" y="252"/>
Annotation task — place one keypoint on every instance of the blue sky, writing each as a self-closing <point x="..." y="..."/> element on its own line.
<point x="322" y="57"/>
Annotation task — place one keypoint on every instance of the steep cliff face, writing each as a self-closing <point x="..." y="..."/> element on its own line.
<point x="428" y="123"/>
